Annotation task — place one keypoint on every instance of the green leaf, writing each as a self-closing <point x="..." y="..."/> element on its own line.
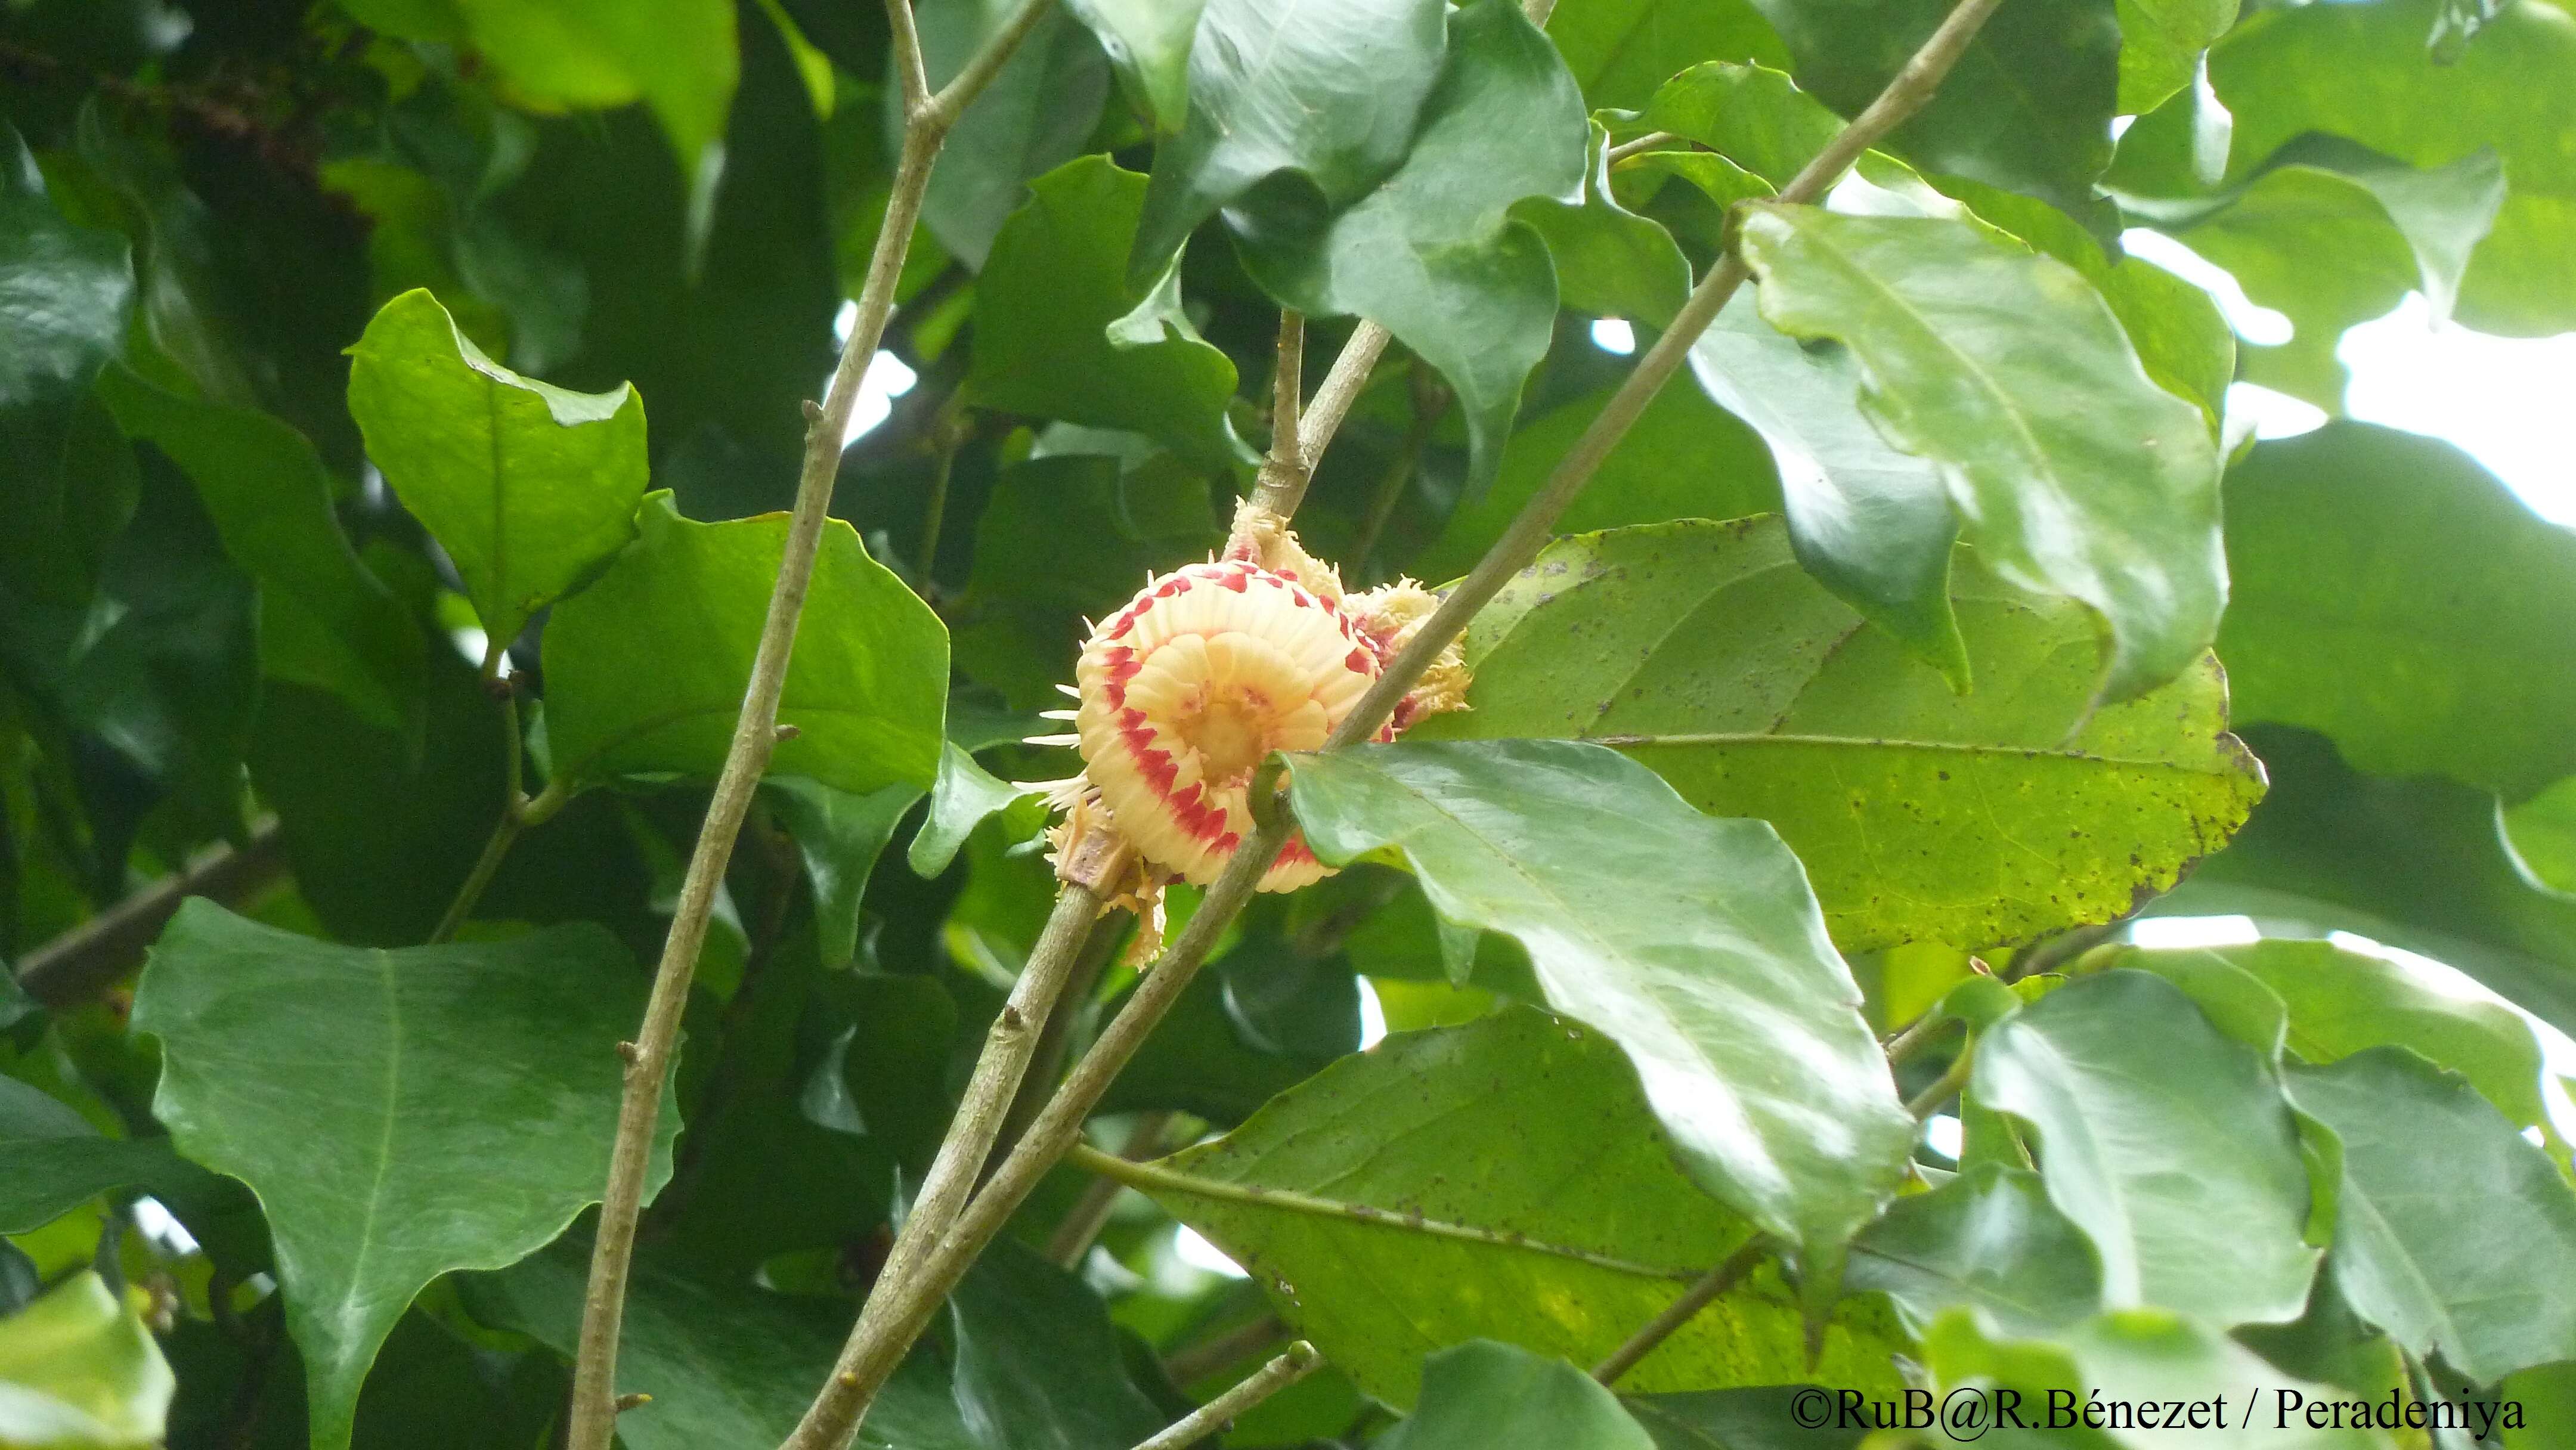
<point x="1752" y="115"/>
<point x="682" y="58"/>
<point x="1259" y="1020"/>
<point x="965" y="795"/>
<point x="1325" y="95"/>
<point x="1872" y="523"/>
<point x="727" y="1364"/>
<point x="1149" y="42"/>
<point x="2416" y="864"/>
<point x="2069" y="468"/>
<point x="2481" y="1277"/>
<point x="1684" y="458"/>
<point x="2391" y="593"/>
<point x="1432" y="253"/>
<point x="526" y="486"/>
<point x="645" y="670"/>
<point x="1990" y="1240"/>
<point x="65" y="294"/>
<point x="1621" y="50"/>
<point x="57" y="1161"/>
<point x="2161" y="45"/>
<point x="2123" y="1078"/>
<point x="1610" y="262"/>
<point x="1692" y="943"/>
<point x="1487" y="1396"/>
<point x="328" y="621"/>
<point x="2028" y="107"/>
<point x="2332" y="1002"/>
<point x="1921" y="814"/>
<point x="1054" y="284"/>
<point x="840" y="836"/>
<point x="2541" y="834"/>
<point x="2136" y="1356"/>
<point x="79" y="1371"/>
<point x="1034" y="116"/>
<point x="399" y="1113"/>
<point x="1765" y="1418"/>
<point x="1037" y="1363"/>
<point x="1499" y="1180"/>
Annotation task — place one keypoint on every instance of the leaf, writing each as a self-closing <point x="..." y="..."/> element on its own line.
<point x="1325" y="94"/>
<point x="2541" y="834"/>
<point x="1610" y="262"/>
<point x="1621" y="50"/>
<point x="726" y="1364"/>
<point x="1755" y="1419"/>
<point x="2069" y="469"/>
<point x="1752" y="115"/>
<point x="1487" y="1396"/>
<point x="1921" y="815"/>
<point x="1873" y="524"/>
<point x="1264" y="1017"/>
<point x="2161" y="45"/>
<point x="645" y="670"/>
<point x="2480" y="1277"/>
<point x="1499" y="1180"/>
<point x="1037" y="1363"/>
<point x="2416" y="864"/>
<point x="329" y="621"/>
<point x="1432" y="253"/>
<point x="65" y="293"/>
<point x="840" y="836"/>
<point x="2028" y="106"/>
<point x="1033" y="117"/>
<point x="1989" y="1240"/>
<point x="526" y="486"/>
<point x="2123" y="1078"/>
<point x="1054" y="284"/>
<point x="1692" y="943"/>
<point x="57" y="1161"/>
<point x="682" y="58"/>
<point x="400" y="1114"/>
<point x="2331" y="1002"/>
<point x="966" y="793"/>
<point x="2392" y="594"/>
<point x="2134" y="1356"/>
<point x="1149" y="42"/>
<point x="79" y="1371"/>
<point x="1684" y="458"/>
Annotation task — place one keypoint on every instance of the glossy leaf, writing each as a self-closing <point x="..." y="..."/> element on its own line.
<point x="965" y="795"/>
<point x="2121" y="1077"/>
<point x="1752" y="115"/>
<point x="2027" y="108"/>
<point x="1325" y="95"/>
<point x="1432" y="253"/>
<point x="1702" y="650"/>
<point x="1487" y="1396"/>
<point x="400" y="1114"/>
<point x="1869" y="521"/>
<point x="1034" y="117"/>
<point x="1499" y="1180"/>
<point x="2480" y="1277"/>
<point x="1610" y="261"/>
<point x="526" y="486"/>
<point x="2161" y="45"/>
<point x="2541" y="833"/>
<point x="1054" y="284"/>
<point x="1149" y="42"/>
<point x="79" y="1371"/>
<point x="1990" y="1240"/>
<point x="680" y="57"/>
<point x="2333" y="1002"/>
<point x="2069" y="468"/>
<point x="645" y="669"/>
<point x="2392" y="594"/>
<point x="1621" y="50"/>
<point x="1692" y="943"/>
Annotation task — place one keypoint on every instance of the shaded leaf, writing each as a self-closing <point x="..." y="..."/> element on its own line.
<point x="2122" y="1078"/>
<point x="1692" y="943"/>
<point x="399" y="1113"/>
<point x="1149" y="42"/>
<point x="526" y="486"/>
<point x="1432" y="253"/>
<point x="1621" y="50"/>
<point x="2480" y="1277"/>
<point x="1264" y="1017"/>
<point x="1920" y="814"/>
<point x="964" y="796"/>
<point x="2068" y="467"/>
<point x="1610" y="261"/>
<point x="79" y="1371"/>
<point x="1754" y="1419"/>
<point x="645" y="670"/>
<point x="1034" y="116"/>
<point x="1487" y="1396"/>
<point x="1990" y="1240"/>
<point x="1499" y="1180"/>
<point x="1037" y="1364"/>
<point x="1054" y="284"/>
<point x="57" y="1161"/>
<point x="840" y="836"/>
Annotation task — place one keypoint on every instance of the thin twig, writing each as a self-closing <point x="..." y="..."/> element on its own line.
<point x="1198" y="1361"/>
<point x="1280" y="489"/>
<point x="1299" y="1362"/>
<point x="1651" y="141"/>
<point x="894" y="1319"/>
<point x="1090" y="1213"/>
<point x="649" y="1060"/>
<point x="948" y="435"/>
<point x="79" y="964"/>
<point x="1914" y="1038"/>
<point x="1945" y="1087"/>
<point x="1680" y="1312"/>
<point x="1055" y="1040"/>
<point x="1287" y="385"/>
<point x="1430" y="401"/>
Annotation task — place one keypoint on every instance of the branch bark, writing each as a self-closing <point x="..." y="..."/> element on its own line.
<point x="1298" y="1362"/>
<point x="79" y="964"/>
<point x="1680" y="1312"/>
<point x="927" y="119"/>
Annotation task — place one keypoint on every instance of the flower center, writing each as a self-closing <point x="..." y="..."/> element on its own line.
<point x="1230" y="729"/>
